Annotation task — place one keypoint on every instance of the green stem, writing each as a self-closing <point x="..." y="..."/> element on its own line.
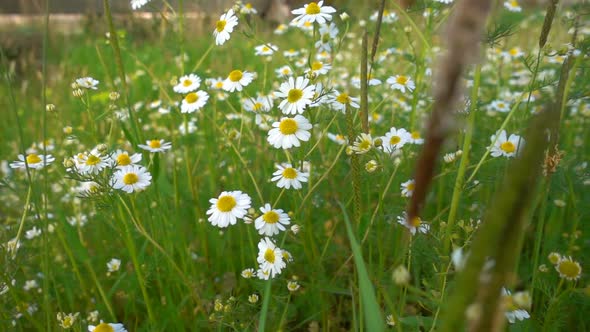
<point x="265" y="305"/>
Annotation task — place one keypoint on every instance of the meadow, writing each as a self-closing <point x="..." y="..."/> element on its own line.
<point x="244" y="175"/>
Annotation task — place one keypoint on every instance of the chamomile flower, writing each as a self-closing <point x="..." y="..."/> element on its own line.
<point x="93" y="162"/>
<point x="293" y="286"/>
<point x="87" y="83"/>
<point x="248" y="9"/>
<point x="226" y="209"/>
<point x="513" y="53"/>
<point x="362" y="144"/>
<point x="388" y="17"/>
<point x="337" y="138"/>
<point x="291" y="53"/>
<point x="318" y="68"/>
<point x="415" y="137"/>
<point x="114" y="265"/>
<point x="328" y="34"/>
<point x="500" y="106"/>
<point x="226" y="24"/>
<point x="512" y="312"/>
<point x="568" y="268"/>
<point x="194" y="101"/>
<point x="215" y="83"/>
<point x="248" y="273"/>
<point x="270" y="258"/>
<point x="356" y="81"/>
<point x="136" y="4"/>
<point x="408" y="188"/>
<point x="107" y="327"/>
<point x="284" y="71"/>
<point x="286" y="176"/>
<point x="395" y="139"/>
<point x="512" y="5"/>
<point x="132" y="178"/>
<point x="237" y="80"/>
<point x="401" y="83"/>
<point x="265" y="49"/>
<point x="313" y="12"/>
<point x="289" y="132"/>
<point x="340" y="101"/>
<point x="156" y="145"/>
<point x="297" y="95"/>
<point x="258" y="104"/>
<point x="503" y="146"/>
<point x="187" y="83"/>
<point x="122" y="158"/>
<point x="281" y="29"/>
<point x="272" y="221"/>
<point x="416" y="224"/>
<point x="33" y="160"/>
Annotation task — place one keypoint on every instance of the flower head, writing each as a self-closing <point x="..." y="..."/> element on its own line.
<point x="226" y="209"/>
<point x="313" y="12"/>
<point x="87" y="83"/>
<point x="156" y="145"/>
<point x="401" y="83"/>
<point x="226" y="24"/>
<point x="33" y="160"/>
<point x="287" y="176"/>
<point x="395" y="139"/>
<point x="568" y="268"/>
<point x="272" y="221"/>
<point x="237" y="80"/>
<point x="187" y="83"/>
<point x="270" y="259"/>
<point x="408" y="188"/>
<point x="194" y="101"/>
<point x="122" y="158"/>
<point x="107" y="327"/>
<point x="289" y="132"/>
<point x="507" y="147"/>
<point x="132" y="178"/>
<point x="297" y="95"/>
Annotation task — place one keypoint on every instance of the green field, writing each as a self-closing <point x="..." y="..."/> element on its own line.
<point x="268" y="192"/>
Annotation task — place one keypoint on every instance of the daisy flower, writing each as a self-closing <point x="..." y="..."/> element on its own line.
<point x="236" y="80"/>
<point x="265" y="49"/>
<point x="337" y="138"/>
<point x="260" y="104"/>
<point x="136" y="4"/>
<point x="388" y="17"/>
<point x="132" y="178"/>
<point x="248" y="273"/>
<point x="33" y="160"/>
<point x="270" y="259"/>
<point x="289" y="132"/>
<point x="507" y="147"/>
<point x="187" y="83"/>
<point x="87" y="83"/>
<point x="107" y="327"/>
<point x="297" y="95"/>
<point x="408" y="188"/>
<point x="318" y="68"/>
<point x="194" y="101"/>
<point x="512" y="5"/>
<point x="224" y="27"/>
<point x="228" y="208"/>
<point x="362" y="144"/>
<point x="272" y="221"/>
<point x="215" y="83"/>
<point x="247" y="9"/>
<point x="415" y="137"/>
<point x="293" y="286"/>
<point x="284" y="71"/>
<point x="291" y="53"/>
<point x="568" y="268"/>
<point x="512" y="312"/>
<point x="328" y="34"/>
<point x="401" y="83"/>
<point x="93" y="162"/>
<point x="114" y="265"/>
<point x="395" y="139"/>
<point x="281" y="29"/>
<point x="287" y="176"/>
<point x="500" y="106"/>
<point x="313" y="12"/>
<point x="339" y="101"/>
<point x="122" y="158"/>
<point x="156" y="145"/>
<point x="513" y="53"/>
<point x="414" y="225"/>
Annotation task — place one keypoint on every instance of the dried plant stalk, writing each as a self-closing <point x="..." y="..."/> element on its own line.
<point x="465" y="31"/>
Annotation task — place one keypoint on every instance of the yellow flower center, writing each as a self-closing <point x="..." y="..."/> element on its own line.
<point x="364" y="145"/>
<point x="289" y="173"/>
<point x="415" y="134"/>
<point x="155" y="144"/>
<point x="92" y="160"/>
<point x="269" y="255"/>
<point x="410" y="186"/>
<point x="270" y="217"/>
<point x="220" y="25"/>
<point x="235" y="75"/>
<point x="248" y="5"/>
<point x="294" y="95"/>
<point x="394" y="140"/>
<point x="288" y="126"/>
<point x="191" y="98"/>
<point x="507" y="147"/>
<point x="33" y="159"/>
<point x="316" y="65"/>
<point x="130" y="178"/>
<point x="501" y="105"/>
<point x="265" y="49"/>
<point x="312" y="9"/>
<point x="103" y="327"/>
<point x="226" y="203"/>
<point x="415" y="222"/>
<point x="513" y="51"/>
<point x="509" y="303"/>
<point x="343" y="98"/>
<point x="219" y="84"/>
<point x="307" y="24"/>
<point x="569" y="268"/>
<point x="514" y="3"/>
<point x="187" y="82"/>
<point x="123" y="159"/>
<point x="286" y="71"/>
<point x="401" y="79"/>
<point x="257" y="106"/>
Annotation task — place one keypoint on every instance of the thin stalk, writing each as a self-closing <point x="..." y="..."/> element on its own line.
<point x="265" y="305"/>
